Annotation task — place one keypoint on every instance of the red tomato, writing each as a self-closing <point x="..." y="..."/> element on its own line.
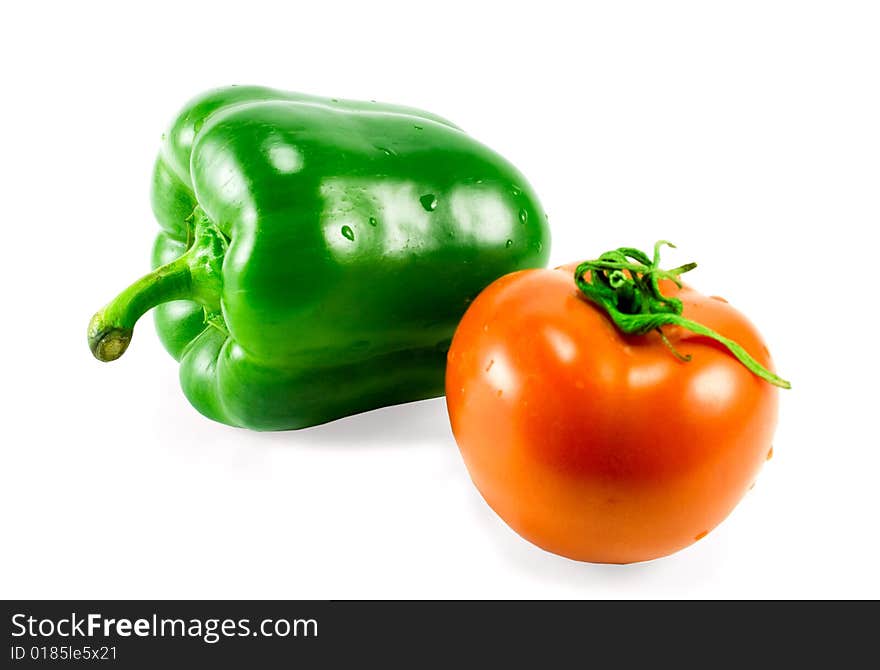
<point x="601" y="446"/>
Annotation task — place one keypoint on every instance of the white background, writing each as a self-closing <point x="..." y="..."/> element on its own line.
<point x="747" y="132"/>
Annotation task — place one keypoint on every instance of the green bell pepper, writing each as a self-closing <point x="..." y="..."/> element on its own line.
<point x="316" y="255"/>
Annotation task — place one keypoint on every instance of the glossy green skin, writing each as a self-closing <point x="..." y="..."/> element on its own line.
<point x="358" y="235"/>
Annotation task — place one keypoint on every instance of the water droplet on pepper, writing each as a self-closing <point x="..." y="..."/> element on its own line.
<point x="348" y="233"/>
<point x="429" y="202"/>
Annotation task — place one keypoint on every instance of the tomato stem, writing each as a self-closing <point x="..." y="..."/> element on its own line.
<point x="625" y="283"/>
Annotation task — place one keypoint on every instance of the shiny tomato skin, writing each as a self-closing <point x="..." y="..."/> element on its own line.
<point x="599" y="446"/>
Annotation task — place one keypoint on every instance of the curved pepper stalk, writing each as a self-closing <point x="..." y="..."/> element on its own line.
<point x="196" y="276"/>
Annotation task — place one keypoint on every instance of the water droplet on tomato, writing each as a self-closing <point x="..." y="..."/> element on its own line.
<point x="348" y="233"/>
<point x="770" y="454"/>
<point x="491" y="363"/>
<point x="418" y="127"/>
<point x="508" y="244"/>
<point x="700" y="536"/>
<point x="373" y="221"/>
<point x="429" y="202"/>
<point x="523" y="216"/>
<point x="197" y="126"/>
<point x="718" y="298"/>
<point x="500" y="393"/>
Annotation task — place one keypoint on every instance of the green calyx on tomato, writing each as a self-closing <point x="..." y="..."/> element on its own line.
<point x="625" y="283"/>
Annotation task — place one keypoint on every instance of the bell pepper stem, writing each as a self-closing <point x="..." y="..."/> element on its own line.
<point x="111" y="329"/>
<point x="196" y="276"/>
